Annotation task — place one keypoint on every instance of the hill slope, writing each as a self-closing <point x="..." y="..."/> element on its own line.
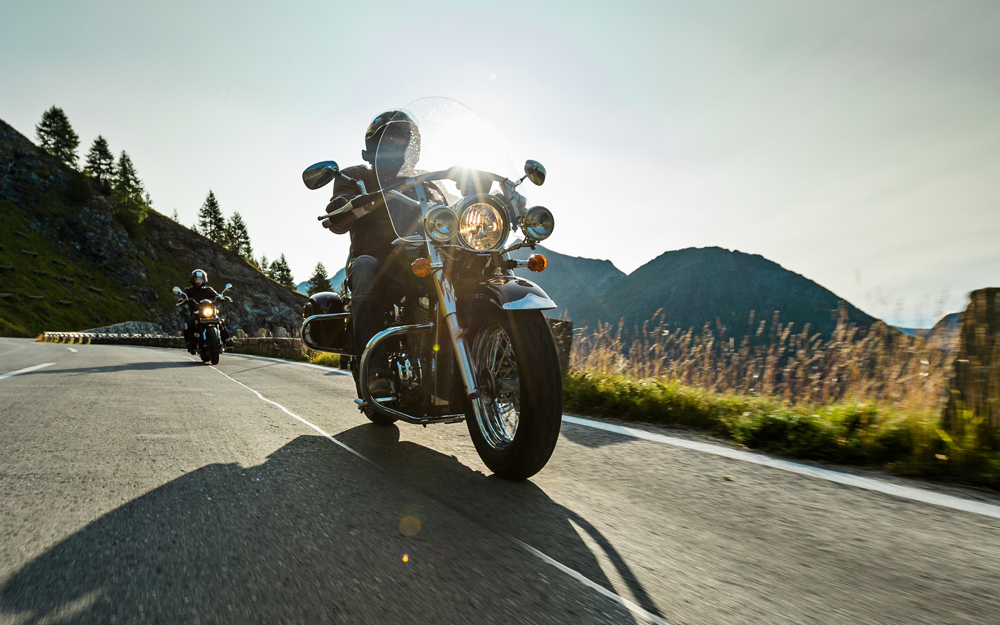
<point x="69" y="264"/>
<point x="690" y="287"/>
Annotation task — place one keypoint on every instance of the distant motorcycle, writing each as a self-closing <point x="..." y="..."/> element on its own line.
<point x="465" y="339"/>
<point x="208" y="323"/>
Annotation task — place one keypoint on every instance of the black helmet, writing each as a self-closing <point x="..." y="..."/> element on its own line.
<point x="395" y="121"/>
<point x="199" y="276"/>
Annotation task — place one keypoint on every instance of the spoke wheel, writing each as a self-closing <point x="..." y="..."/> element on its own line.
<point x="499" y="382"/>
<point x="520" y="392"/>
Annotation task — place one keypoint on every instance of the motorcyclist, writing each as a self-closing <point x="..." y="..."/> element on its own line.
<point x="198" y="291"/>
<point x="394" y="138"/>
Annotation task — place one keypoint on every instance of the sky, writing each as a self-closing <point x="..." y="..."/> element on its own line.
<point x="854" y="142"/>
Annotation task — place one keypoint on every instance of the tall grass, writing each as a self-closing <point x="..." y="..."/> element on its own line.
<point x="774" y="360"/>
<point x="863" y="397"/>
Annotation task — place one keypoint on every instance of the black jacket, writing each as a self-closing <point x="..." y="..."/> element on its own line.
<point x="198" y="293"/>
<point x="371" y="228"/>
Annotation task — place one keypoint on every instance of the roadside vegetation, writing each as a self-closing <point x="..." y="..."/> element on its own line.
<point x="870" y="399"/>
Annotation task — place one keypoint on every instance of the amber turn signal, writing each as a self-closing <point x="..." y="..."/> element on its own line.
<point x="421" y="267"/>
<point x="537" y="262"/>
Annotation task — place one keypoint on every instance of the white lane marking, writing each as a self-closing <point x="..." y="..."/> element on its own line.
<point x="26" y="370"/>
<point x="580" y="577"/>
<point x="71" y="349"/>
<point x="291" y="362"/>
<point x="906" y="492"/>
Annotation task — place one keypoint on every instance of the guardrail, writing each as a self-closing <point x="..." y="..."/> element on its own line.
<point x="274" y="347"/>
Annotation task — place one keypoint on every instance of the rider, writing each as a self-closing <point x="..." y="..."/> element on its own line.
<point x="199" y="290"/>
<point x="394" y="138"/>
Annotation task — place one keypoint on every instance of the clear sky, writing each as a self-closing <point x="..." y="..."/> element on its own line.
<point x="854" y="142"/>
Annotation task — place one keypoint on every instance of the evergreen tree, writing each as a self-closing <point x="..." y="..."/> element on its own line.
<point x="263" y="265"/>
<point x="128" y="198"/>
<point x="210" y="220"/>
<point x="101" y="163"/>
<point x="281" y="272"/>
<point x="238" y="237"/>
<point x="175" y="217"/>
<point x="57" y="137"/>
<point x="319" y="282"/>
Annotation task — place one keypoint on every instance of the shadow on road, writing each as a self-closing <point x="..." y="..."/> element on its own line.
<point x="127" y="366"/>
<point x="315" y="535"/>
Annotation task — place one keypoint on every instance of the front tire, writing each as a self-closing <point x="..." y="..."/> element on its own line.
<point x="214" y="346"/>
<point x="520" y="383"/>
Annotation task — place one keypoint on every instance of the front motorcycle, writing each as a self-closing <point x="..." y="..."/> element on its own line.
<point x="208" y="323"/>
<point x="465" y="338"/>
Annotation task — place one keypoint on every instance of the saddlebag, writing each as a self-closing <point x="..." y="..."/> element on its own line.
<point x="330" y="335"/>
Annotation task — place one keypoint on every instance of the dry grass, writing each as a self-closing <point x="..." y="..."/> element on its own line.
<point x="868" y="398"/>
<point x="879" y="365"/>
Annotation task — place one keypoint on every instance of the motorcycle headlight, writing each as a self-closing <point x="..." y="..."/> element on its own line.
<point x="482" y="226"/>
<point x="207" y="311"/>
<point x="441" y="225"/>
<point x="539" y="223"/>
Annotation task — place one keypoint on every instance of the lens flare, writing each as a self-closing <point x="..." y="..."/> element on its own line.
<point x="409" y="525"/>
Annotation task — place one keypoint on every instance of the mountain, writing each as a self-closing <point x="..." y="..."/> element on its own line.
<point x="945" y="332"/>
<point x="690" y="287"/>
<point x="66" y="263"/>
<point x="335" y="281"/>
<point x="578" y="285"/>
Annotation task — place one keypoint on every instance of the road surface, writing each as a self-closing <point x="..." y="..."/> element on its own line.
<point x="139" y="486"/>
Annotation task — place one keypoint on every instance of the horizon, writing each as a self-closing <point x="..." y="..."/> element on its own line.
<point x="851" y="144"/>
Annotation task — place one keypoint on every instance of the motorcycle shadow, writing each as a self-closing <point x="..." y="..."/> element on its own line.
<point x="520" y="510"/>
<point x="316" y="535"/>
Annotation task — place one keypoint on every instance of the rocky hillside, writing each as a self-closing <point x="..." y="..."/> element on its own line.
<point x="67" y="264"/>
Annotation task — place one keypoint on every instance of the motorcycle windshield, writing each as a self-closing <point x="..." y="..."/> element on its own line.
<point x="431" y="135"/>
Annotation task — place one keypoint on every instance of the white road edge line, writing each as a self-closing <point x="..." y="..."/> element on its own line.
<point x="290" y="362"/>
<point x="906" y="492"/>
<point x="26" y="370"/>
<point x="580" y="577"/>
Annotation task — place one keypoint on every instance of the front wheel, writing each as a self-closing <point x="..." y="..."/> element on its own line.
<point x="520" y="392"/>
<point x="214" y="345"/>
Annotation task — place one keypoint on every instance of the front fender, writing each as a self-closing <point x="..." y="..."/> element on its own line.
<point x="511" y="293"/>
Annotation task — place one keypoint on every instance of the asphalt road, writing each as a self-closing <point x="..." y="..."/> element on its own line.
<point x="139" y="486"/>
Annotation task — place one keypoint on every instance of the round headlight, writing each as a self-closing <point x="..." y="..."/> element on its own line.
<point x="207" y="311"/>
<point x="441" y="225"/>
<point x="539" y="223"/>
<point x="482" y="226"/>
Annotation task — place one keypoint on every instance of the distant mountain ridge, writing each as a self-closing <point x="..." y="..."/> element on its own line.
<point x="689" y="288"/>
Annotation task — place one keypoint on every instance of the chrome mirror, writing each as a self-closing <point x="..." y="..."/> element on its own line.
<point x="535" y="172"/>
<point x="228" y="286"/>
<point x="178" y="292"/>
<point x="320" y="174"/>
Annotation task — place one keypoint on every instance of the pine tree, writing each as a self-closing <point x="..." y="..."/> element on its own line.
<point x="176" y="217"/>
<point x="238" y="238"/>
<point x="319" y="282"/>
<point x="210" y="220"/>
<point x="101" y="164"/>
<point x="57" y="137"/>
<point x="128" y="198"/>
<point x="281" y="272"/>
<point x="264" y="266"/>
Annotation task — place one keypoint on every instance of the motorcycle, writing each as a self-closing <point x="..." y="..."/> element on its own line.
<point x="465" y="338"/>
<point x="207" y="323"/>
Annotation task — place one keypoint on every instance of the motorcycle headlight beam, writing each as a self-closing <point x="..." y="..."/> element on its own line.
<point x="539" y="223"/>
<point x="207" y="311"/>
